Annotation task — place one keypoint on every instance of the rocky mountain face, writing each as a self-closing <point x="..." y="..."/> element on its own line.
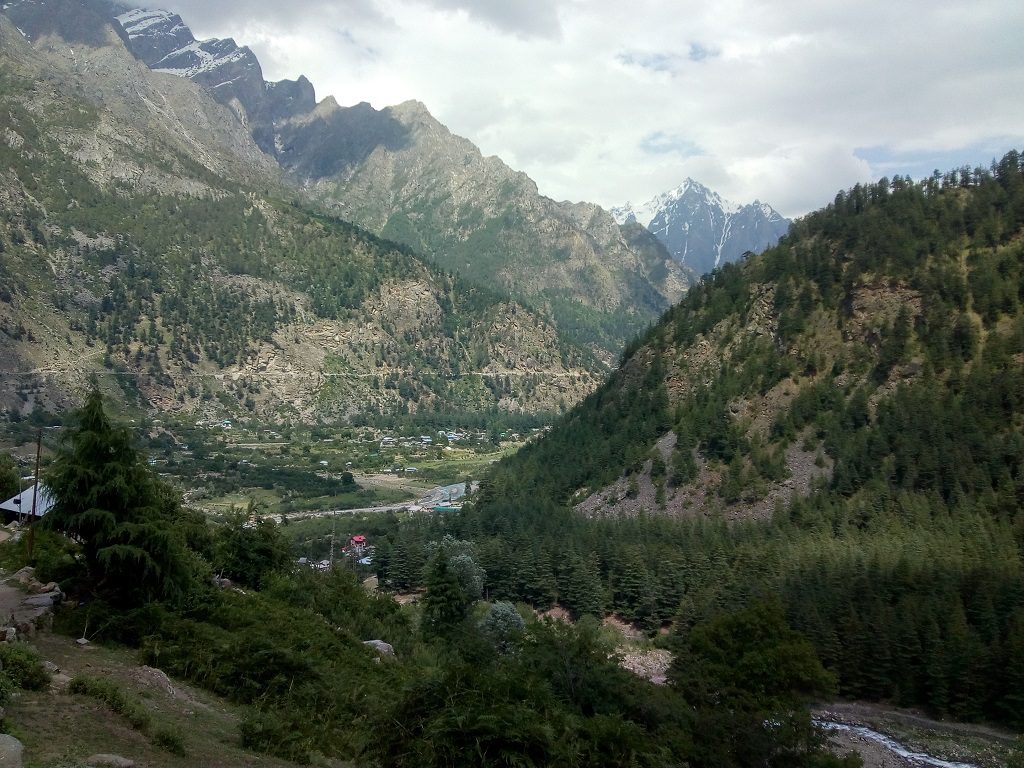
<point x="229" y="72"/>
<point x="145" y="239"/>
<point x="401" y="174"/>
<point x="703" y="231"/>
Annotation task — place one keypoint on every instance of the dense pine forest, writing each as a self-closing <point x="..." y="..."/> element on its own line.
<point x="895" y="319"/>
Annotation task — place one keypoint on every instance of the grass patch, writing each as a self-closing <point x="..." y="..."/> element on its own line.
<point x="167" y="738"/>
<point x="114" y="698"/>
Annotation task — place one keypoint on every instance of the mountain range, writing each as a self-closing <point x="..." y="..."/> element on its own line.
<point x="164" y="117"/>
<point x="701" y="230"/>
<point x="401" y="174"/>
<point x="146" y="239"/>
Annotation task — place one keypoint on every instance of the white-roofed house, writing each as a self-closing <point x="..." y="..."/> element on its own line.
<point x="20" y="505"/>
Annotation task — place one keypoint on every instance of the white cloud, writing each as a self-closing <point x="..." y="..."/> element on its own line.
<point x="757" y="100"/>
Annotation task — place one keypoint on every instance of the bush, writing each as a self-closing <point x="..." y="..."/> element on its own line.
<point x="22" y="665"/>
<point x="170" y="740"/>
<point x="7" y="687"/>
<point x="53" y="557"/>
<point x="271" y="733"/>
<point x="502" y="626"/>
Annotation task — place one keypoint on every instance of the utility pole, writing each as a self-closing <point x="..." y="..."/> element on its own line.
<point x="334" y="526"/>
<point x="35" y="495"/>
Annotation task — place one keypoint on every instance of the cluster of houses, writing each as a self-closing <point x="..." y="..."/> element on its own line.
<point x="357" y="549"/>
<point x="424" y="441"/>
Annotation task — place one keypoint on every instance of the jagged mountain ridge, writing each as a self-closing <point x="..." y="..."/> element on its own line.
<point x="231" y="73"/>
<point x="702" y="230"/>
<point x="144" y="238"/>
<point x="401" y="174"/>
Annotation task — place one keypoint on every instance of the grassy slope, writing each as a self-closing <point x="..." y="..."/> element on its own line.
<point x="60" y="730"/>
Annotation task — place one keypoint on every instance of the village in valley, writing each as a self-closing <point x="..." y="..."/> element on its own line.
<point x="328" y="487"/>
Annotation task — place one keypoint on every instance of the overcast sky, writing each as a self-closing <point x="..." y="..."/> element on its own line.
<point x="786" y="101"/>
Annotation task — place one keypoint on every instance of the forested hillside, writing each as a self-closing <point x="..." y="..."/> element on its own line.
<point x="321" y="671"/>
<point x="144" y="238"/>
<point x="853" y="401"/>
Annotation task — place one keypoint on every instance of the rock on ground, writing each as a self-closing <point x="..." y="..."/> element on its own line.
<point x="10" y="751"/>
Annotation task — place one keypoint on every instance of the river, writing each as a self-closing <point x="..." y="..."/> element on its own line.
<point x="893" y="746"/>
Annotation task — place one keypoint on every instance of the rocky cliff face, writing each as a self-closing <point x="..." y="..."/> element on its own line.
<point x="229" y="72"/>
<point x="401" y="173"/>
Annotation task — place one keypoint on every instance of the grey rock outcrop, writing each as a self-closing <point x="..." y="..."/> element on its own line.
<point x="384" y="649"/>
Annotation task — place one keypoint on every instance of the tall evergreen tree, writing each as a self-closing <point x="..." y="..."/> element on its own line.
<point x="445" y="604"/>
<point x="108" y="500"/>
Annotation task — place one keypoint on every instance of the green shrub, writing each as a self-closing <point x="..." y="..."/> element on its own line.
<point x="53" y="556"/>
<point x="170" y="740"/>
<point x="273" y="734"/>
<point x="7" y="687"/>
<point x="22" y="665"/>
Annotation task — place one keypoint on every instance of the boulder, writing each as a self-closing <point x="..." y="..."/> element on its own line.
<point x="384" y="649"/>
<point x="59" y="683"/>
<point x="43" y="601"/>
<point x="10" y="751"/>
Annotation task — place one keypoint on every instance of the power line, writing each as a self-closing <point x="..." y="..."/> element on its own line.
<point x="311" y="375"/>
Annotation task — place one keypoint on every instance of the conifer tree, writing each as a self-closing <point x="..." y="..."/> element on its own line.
<point x="109" y="501"/>
<point x="444" y="605"/>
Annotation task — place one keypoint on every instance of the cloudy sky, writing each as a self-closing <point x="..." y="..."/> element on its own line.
<point x="786" y="101"/>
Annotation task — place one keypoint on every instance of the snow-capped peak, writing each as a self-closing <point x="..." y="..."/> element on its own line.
<point x="138" y="20"/>
<point x="703" y="230"/>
